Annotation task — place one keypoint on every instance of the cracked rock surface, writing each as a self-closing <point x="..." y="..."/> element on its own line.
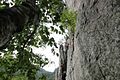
<point x="94" y="49"/>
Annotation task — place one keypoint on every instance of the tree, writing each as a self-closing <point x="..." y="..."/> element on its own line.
<point x="13" y="20"/>
<point x="23" y="27"/>
<point x="26" y="13"/>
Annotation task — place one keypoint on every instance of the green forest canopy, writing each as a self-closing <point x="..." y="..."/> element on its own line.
<point x="26" y="63"/>
<point x="35" y="34"/>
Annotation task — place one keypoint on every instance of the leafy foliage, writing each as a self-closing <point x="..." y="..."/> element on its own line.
<point x="20" y="77"/>
<point x="44" y="75"/>
<point x="25" y="63"/>
<point x="68" y="19"/>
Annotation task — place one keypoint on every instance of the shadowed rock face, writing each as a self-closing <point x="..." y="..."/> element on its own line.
<point x="60" y="73"/>
<point x="94" y="49"/>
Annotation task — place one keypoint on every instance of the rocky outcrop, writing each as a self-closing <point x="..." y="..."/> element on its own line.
<point x="56" y="73"/>
<point x="60" y="73"/>
<point x="96" y="55"/>
<point x="63" y="63"/>
<point x="94" y="50"/>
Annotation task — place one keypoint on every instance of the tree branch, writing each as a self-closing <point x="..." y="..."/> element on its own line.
<point x="12" y="20"/>
<point x="36" y="24"/>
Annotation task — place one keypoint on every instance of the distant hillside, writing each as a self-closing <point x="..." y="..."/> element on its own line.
<point x="41" y="72"/>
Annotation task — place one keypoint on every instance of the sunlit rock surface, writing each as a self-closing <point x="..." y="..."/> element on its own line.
<point x="94" y="49"/>
<point x="73" y="4"/>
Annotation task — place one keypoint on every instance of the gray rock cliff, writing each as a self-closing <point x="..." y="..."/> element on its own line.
<point x="60" y="73"/>
<point x="94" y="49"/>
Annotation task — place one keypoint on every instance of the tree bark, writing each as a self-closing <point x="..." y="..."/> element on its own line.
<point x="12" y="20"/>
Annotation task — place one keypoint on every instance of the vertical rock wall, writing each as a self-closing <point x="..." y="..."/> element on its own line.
<point x="56" y="73"/>
<point x="60" y="73"/>
<point x="62" y="63"/>
<point x="73" y="4"/>
<point x="97" y="40"/>
<point x="94" y="49"/>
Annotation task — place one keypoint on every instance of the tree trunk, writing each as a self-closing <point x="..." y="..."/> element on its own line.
<point x="96" y="49"/>
<point x="12" y="20"/>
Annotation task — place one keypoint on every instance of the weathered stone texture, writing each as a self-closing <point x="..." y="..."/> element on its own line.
<point x="60" y="73"/>
<point x="70" y="66"/>
<point x="94" y="52"/>
<point x="62" y="62"/>
<point x="73" y="4"/>
<point x="97" y="38"/>
<point x="56" y="73"/>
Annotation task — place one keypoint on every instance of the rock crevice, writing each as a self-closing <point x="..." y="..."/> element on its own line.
<point x="94" y="52"/>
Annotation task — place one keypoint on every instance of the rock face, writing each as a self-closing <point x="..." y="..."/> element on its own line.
<point x="94" y="49"/>
<point x="63" y="63"/>
<point x="73" y="4"/>
<point x="60" y="73"/>
<point x="56" y="73"/>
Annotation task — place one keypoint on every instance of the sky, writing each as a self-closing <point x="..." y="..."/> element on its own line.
<point x="52" y="58"/>
<point x="47" y="53"/>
